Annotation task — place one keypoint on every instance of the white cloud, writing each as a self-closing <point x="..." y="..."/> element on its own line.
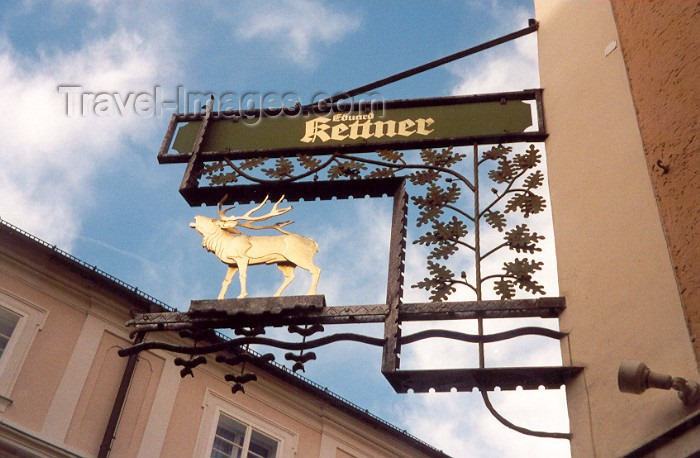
<point x="460" y="425"/>
<point x="297" y="29"/>
<point x="508" y="67"/>
<point x="50" y="159"/>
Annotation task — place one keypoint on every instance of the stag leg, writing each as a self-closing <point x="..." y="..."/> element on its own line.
<point x="227" y="280"/>
<point x="243" y="266"/>
<point x="315" y="275"/>
<point x="314" y="270"/>
<point x="288" y="272"/>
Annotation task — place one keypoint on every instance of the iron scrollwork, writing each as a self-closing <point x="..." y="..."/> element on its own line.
<point x="452" y="210"/>
<point x="516" y="182"/>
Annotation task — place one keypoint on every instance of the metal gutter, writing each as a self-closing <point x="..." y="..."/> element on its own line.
<point x="119" y="401"/>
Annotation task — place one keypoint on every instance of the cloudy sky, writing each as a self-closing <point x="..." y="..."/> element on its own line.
<point x="91" y="185"/>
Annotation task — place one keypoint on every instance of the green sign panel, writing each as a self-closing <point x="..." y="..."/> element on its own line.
<point x="402" y="124"/>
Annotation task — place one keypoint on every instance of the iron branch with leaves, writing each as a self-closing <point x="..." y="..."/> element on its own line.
<point x="338" y="166"/>
<point x="516" y="183"/>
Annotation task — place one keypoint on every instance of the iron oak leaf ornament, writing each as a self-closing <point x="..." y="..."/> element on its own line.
<point x="432" y="205"/>
<point x="252" y="163"/>
<point x="423" y="177"/>
<point x="386" y="172"/>
<point x="351" y="169"/>
<point x="445" y="236"/>
<point x="516" y="182"/>
<point x="534" y="180"/>
<point x="440" y="282"/>
<point x="496" y="220"/>
<point x="528" y="160"/>
<point x="526" y="202"/>
<point x="497" y="152"/>
<point x="447" y="157"/>
<point x="309" y="162"/>
<point x="283" y="169"/>
<point x="505" y="288"/>
<point x="503" y="173"/>
<point x="391" y="155"/>
<point x="520" y="239"/>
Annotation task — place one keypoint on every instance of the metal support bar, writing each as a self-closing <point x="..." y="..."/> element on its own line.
<point x="322" y="189"/>
<point x="394" y="293"/>
<point x="194" y="165"/>
<point x="485" y="379"/>
<point x="532" y="27"/>
<point x="520" y="429"/>
<point x="546" y="307"/>
<point x="254" y="306"/>
<point x="540" y="111"/>
<point x="167" y="140"/>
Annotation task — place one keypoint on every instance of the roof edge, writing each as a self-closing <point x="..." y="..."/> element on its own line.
<point x="150" y="304"/>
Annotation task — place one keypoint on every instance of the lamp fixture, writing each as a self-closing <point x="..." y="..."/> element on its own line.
<point x="636" y="377"/>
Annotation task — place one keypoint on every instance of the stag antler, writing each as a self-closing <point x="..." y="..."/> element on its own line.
<point x="249" y="219"/>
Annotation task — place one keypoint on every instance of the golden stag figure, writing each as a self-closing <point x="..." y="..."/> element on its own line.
<point x="238" y="251"/>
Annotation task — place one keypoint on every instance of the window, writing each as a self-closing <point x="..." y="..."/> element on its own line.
<point x="20" y="321"/>
<point x="232" y="430"/>
<point x="236" y="440"/>
<point x="8" y="322"/>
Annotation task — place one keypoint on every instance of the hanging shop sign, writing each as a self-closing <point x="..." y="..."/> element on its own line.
<point x="398" y="124"/>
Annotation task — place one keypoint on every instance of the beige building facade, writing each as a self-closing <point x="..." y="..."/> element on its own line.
<point x="620" y="84"/>
<point x="62" y="323"/>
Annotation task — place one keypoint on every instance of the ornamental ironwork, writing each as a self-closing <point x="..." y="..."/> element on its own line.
<point x="484" y="177"/>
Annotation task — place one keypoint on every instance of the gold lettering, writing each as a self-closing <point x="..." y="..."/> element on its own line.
<point x="404" y="127"/>
<point x="349" y="117"/>
<point x="422" y="124"/>
<point x="316" y="128"/>
<point x="337" y="132"/>
<point x="366" y="127"/>
<point x="379" y="129"/>
<point x="321" y="129"/>
<point x="358" y="130"/>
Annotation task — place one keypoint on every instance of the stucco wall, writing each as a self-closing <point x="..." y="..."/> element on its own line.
<point x="46" y="361"/>
<point x="613" y="262"/>
<point x="659" y="42"/>
<point x="68" y="379"/>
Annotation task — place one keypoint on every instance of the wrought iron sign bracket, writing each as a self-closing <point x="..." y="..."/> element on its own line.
<point x="249" y="317"/>
<point x="343" y="151"/>
<point x="239" y="314"/>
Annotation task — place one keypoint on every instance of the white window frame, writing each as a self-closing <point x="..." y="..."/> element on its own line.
<point x="248" y="432"/>
<point x="216" y="404"/>
<point x="31" y="321"/>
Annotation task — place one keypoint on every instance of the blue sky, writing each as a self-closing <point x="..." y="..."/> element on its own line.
<point x="92" y="185"/>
